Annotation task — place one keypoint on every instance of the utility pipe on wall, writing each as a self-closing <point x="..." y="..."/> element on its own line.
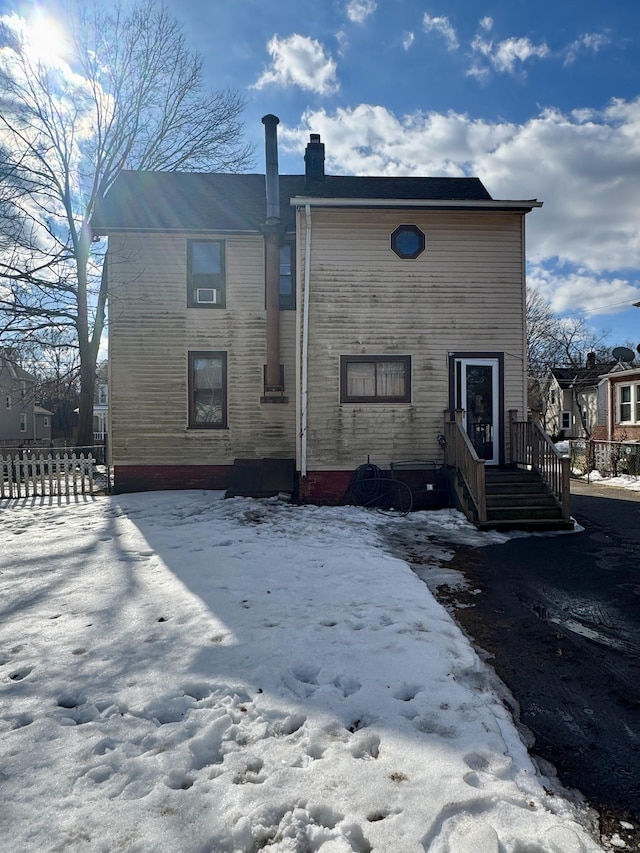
<point x="272" y="230"/>
<point x="305" y="344"/>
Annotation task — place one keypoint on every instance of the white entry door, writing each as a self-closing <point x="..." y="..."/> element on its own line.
<point x="478" y="393"/>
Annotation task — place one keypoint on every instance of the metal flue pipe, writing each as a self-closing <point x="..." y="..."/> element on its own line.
<point x="272" y="231"/>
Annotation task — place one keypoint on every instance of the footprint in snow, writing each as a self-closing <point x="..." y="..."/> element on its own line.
<point x="306" y="678"/>
<point x="21" y="721"/>
<point x="346" y="684"/>
<point x="487" y="765"/>
<point x="407" y="692"/>
<point x="365" y="746"/>
<point x="471" y="836"/>
<point x="20" y="674"/>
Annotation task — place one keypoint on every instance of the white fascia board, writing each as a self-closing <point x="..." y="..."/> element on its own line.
<point x="158" y="229"/>
<point x="478" y="204"/>
<point x="626" y="373"/>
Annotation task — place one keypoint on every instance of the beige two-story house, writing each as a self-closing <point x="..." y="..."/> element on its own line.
<point x="314" y="320"/>
<point x="571" y="405"/>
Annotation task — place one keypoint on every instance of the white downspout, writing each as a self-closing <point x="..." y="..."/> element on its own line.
<point x="305" y="345"/>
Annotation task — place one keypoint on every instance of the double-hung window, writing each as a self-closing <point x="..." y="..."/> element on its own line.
<point x="206" y="285"/>
<point x="207" y="390"/>
<point x="629" y="403"/>
<point x="375" y="379"/>
<point x="287" y="277"/>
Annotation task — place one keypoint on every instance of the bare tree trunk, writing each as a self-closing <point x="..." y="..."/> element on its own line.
<point x="87" y="386"/>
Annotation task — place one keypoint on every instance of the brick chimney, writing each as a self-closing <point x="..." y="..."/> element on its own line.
<point x="314" y="159"/>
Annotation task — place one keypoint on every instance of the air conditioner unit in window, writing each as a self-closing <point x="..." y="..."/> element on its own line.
<point x="207" y="295"/>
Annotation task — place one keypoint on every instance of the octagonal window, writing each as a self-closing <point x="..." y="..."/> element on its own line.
<point x="408" y="241"/>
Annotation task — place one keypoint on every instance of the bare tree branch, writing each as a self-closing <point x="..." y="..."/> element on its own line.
<point x="132" y="98"/>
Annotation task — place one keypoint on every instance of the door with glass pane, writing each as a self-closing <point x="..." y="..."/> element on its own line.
<point x="478" y="395"/>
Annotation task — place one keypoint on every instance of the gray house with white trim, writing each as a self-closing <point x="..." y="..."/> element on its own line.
<point x="22" y="421"/>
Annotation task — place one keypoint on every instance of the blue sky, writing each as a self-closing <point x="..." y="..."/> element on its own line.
<point x="538" y="99"/>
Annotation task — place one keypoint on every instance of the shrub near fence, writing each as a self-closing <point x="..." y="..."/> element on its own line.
<point x="608" y="458"/>
<point x="30" y="474"/>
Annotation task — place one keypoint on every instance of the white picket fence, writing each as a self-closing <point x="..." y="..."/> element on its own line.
<point x="29" y="474"/>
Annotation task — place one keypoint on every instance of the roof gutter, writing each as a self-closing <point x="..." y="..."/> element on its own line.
<point x="615" y="373"/>
<point x="437" y="204"/>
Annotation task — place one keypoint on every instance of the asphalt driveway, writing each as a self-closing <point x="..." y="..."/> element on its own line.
<point x="559" y="616"/>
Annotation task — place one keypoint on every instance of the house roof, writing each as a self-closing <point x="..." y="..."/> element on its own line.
<point x="15" y="372"/>
<point x="40" y="410"/>
<point x="205" y="201"/>
<point x="623" y="369"/>
<point x="581" y="377"/>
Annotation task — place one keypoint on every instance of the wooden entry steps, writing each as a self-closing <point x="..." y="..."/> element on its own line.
<point x="519" y="499"/>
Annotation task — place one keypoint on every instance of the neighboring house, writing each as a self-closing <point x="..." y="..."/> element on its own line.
<point x="42" y="424"/>
<point x="101" y="405"/>
<point x="319" y="320"/>
<point x="21" y="420"/>
<point x="571" y="409"/>
<point x="619" y="404"/>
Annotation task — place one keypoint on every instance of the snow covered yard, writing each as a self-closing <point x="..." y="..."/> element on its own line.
<point x="184" y="673"/>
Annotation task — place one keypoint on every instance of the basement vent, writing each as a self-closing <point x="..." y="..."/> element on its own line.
<point x="208" y="295"/>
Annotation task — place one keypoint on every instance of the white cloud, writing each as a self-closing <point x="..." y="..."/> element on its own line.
<point x="582" y="165"/>
<point x="343" y="42"/>
<point x="516" y="50"/>
<point x="359" y="10"/>
<point x="594" y="294"/>
<point x="504" y="55"/>
<point x="407" y="40"/>
<point x="299" y="61"/>
<point x="443" y="26"/>
<point x="486" y="23"/>
<point x="480" y="72"/>
<point x="589" y="41"/>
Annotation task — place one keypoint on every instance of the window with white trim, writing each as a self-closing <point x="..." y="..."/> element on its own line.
<point x="566" y="420"/>
<point x="23" y="422"/>
<point x="629" y="403"/>
<point x="8" y="401"/>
